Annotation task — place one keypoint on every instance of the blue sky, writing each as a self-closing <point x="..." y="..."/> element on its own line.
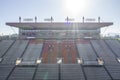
<point x="108" y="10"/>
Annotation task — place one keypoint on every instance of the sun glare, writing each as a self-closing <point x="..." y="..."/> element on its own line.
<point x="74" y="7"/>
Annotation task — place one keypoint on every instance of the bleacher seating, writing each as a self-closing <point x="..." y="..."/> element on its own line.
<point x="68" y="51"/>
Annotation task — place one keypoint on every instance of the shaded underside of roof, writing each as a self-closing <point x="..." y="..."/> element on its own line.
<point x="60" y="25"/>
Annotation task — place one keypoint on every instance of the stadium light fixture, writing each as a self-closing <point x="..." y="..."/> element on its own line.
<point x="39" y="60"/>
<point x="18" y="61"/>
<point x="90" y="19"/>
<point x="49" y="19"/>
<point x="28" y="19"/>
<point x="69" y="19"/>
<point x="100" y="61"/>
<point x="79" y="60"/>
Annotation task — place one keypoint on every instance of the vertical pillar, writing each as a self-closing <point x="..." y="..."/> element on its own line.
<point x="35" y="19"/>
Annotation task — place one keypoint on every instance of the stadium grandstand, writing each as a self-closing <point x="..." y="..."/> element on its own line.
<point x="59" y="51"/>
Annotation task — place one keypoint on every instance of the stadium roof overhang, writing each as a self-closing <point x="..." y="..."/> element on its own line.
<point x="59" y="25"/>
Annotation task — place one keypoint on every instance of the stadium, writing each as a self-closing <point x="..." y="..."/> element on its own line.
<point x="59" y="51"/>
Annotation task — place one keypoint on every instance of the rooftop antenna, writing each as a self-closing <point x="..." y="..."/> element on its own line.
<point x="19" y="19"/>
<point x="67" y="19"/>
<point x="35" y="19"/>
<point x="99" y="19"/>
<point x="83" y="19"/>
<point x="52" y="19"/>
